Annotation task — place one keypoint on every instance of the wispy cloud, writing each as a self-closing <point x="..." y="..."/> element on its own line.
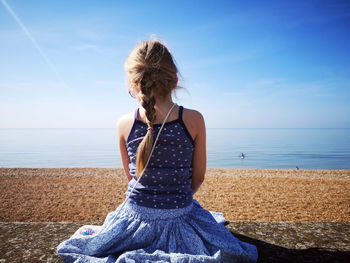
<point x="228" y="58"/>
<point x="284" y="92"/>
<point x="89" y="35"/>
<point x="35" y="43"/>
<point x="89" y="47"/>
<point x="29" y="90"/>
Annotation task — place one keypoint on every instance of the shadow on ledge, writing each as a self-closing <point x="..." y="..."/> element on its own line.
<point x="296" y="242"/>
<point x="272" y="253"/>
<point x="276" y="242"/>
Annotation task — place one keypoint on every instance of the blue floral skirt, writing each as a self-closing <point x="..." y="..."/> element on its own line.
<point x="141" y="234"/>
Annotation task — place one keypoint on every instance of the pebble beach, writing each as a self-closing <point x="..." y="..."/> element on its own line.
<point x="247" y="195"/>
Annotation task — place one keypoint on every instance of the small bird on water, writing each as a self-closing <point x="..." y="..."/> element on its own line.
<point x="242" y="156"/>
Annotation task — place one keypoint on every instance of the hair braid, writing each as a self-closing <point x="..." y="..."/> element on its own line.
<point x="152" y="70"/>
<point x="147" y="101"/>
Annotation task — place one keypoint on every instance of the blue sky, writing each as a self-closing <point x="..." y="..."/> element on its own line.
<point x="244" y="64"/>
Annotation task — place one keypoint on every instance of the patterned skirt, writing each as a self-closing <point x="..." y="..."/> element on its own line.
<point x="141" y="234"/>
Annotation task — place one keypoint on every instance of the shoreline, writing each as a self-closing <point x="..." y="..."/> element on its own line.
<point x="242" y="195"/>
<point x="249" y="172"/>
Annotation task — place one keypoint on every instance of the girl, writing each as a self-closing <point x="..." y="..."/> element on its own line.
<point x="163" y="151"/>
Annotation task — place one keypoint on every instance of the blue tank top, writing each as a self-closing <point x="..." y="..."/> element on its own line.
<point x="166" y="182"/>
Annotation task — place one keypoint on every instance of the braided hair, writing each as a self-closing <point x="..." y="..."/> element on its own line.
<point x="151" y="68"/>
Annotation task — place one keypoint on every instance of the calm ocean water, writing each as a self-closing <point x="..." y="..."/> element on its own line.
<point x="263" y="148"/>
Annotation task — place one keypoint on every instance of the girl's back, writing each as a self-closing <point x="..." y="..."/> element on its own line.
<point x="183" y="134"/>
<point x="166" y="182"/>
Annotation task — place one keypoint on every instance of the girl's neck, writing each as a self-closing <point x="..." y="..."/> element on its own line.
<point x="162" y="107"/>
<point x="163" y="104"/>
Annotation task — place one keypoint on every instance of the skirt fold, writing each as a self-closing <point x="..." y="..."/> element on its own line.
<point x="141" y="234"/>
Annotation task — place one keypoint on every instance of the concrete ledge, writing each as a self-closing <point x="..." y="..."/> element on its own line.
<point x="276" y="241"/>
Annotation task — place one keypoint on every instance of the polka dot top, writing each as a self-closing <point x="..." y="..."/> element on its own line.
<point x="166" y="182"/>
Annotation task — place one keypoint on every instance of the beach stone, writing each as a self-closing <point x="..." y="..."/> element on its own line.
<point x="242" y="195"/>
<point x="276" y="241"/>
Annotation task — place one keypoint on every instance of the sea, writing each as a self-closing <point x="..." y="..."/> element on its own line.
<point x="262" y="148"/>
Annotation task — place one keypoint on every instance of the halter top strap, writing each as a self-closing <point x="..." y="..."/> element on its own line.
<point x="135" y="115"/>
<point x="180" y="113"/>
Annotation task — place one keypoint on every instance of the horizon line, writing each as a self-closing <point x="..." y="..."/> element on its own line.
<point x="206" y="128"/>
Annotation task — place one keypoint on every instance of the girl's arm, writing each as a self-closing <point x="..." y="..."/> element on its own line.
<point x="123" y="129"/>
<point x="199" y="157"/>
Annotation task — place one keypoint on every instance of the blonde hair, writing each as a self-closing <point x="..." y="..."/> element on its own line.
<point x="150" y="68"/>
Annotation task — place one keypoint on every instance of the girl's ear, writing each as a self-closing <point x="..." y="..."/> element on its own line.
<point x="136" y="88"/>
<point x="136" y="85"/>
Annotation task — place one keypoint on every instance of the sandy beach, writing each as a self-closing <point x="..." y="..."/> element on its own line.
<point x="249" y="195"/>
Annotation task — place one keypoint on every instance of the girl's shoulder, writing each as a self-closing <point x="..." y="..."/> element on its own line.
<point x="124" y="125"/>
<point x="194" y="121"/>
<point x="192" y="115"/>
